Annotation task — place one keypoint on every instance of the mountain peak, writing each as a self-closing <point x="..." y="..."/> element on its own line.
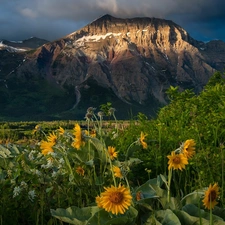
<point x="106" y="17"/>
<point x="150" y="28"/>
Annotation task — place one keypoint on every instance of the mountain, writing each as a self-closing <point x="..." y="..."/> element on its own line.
<point x="129" y="62"/>
<point x="25" y="45"/>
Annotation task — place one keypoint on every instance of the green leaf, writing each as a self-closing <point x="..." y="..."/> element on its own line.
<point x="133" y="161"/>
<point x="193" y="210"/>
<point x="4" y="152"/>
<point x="219" y="212"/>
<point x="75" y="215"/>
<point x="167" y="217"/>
<point x="186" y="219"/>
<point x="193" y="197"/>
<point x="100" y="149"/>
<point x="164" y="180"/>
<point x="103" y="217"/>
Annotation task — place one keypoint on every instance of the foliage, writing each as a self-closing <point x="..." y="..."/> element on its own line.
<point x="61" y="187"/>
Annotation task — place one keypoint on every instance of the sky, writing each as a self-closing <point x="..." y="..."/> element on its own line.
<point x="204" y="20"/>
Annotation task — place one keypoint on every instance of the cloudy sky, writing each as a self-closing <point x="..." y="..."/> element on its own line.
<point x="51" y="19"/>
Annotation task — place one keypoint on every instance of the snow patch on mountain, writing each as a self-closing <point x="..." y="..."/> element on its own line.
<point x="94" y="38"/>
<point x="10" y="48"/>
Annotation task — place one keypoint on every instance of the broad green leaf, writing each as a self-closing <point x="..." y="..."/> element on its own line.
<point x="103" y="217"/>
<point x="151" y="220"/>
<point x="193" y="197"/>
<point x="193" y="210"/>
<point x="100" y="147"/>
<point x="75" y="215"/>
<point x="219" y="212"/>
<point x="134" y="161"/>
<point x="186" y="219"/>
<point x="167" y="217"/>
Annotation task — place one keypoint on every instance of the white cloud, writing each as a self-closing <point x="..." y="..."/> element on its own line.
<point x="29" y="13"/>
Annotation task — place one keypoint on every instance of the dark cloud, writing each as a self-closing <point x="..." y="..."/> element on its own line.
<point x="52" y="19"/>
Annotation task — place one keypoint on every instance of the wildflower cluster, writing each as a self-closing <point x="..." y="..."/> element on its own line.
<point x="83" y="167"/>
<point x="179" y="158"/>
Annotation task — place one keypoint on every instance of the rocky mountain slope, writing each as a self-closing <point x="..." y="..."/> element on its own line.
<point x="129" y="62"/>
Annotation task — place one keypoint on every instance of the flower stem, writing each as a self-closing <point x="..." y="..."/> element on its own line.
<point x="129" y="149"/>
<point x="210" y="213"/>
<point x="169" y="182"/>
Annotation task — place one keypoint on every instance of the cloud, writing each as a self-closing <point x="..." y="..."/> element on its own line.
<point x="29" y="13"/>
<point x="53" y="19"/>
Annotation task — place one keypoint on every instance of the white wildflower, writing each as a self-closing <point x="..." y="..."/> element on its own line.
<point x="61" y="161"/>
<point x="49" y="164"/>
<point x="31" y="155"/>
<point x="39" y="155"/>
<point x="31" y="195"/>
<point x="54" y="174"/>
<point x="23" y="185"/>
<point x="38" y="173"/>
<point x="16" y="191"/>
<point x="53" y="154"/>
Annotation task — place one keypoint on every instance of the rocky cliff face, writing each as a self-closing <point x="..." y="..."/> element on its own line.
<point x="134" y="60"/>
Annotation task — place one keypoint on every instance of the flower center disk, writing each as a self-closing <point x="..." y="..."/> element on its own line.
<point x="212" y="195"/>
<point x="176" y="160"/>
<point x="116" y="197"/>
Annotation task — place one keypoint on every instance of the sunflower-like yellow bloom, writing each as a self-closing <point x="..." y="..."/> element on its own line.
<point x="91" y="133"/>
<point x="46" y="147"/>
<point x="189" y="148"/>
<point x="80" y="171"/>
<point x="142" y="138"/>
<point x="52" y="138"/>
<point x="211" y="195"/>
<point x="115" y="199"/>
<point x="78" y="142"/>
<point x="36" y="129"/>
<point x="61" y="131"/>
<point x="98" y="201"/>
<point x="117" y="172"/>
<point x="112" y="152"/>
<point x="177" y="161"/>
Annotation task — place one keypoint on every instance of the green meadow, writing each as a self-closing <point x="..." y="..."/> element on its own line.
<point x="165" y="170"/>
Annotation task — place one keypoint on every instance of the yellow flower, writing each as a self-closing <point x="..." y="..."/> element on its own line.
<point x="92" y="133"/>
<point x="177" y="161"/>
<point x="211" y="195"/>
<point x="98" y="201"/>
<point x="36" y="129"/>
<point x="117" y="172"/>
<point x="144" y="144"/>
<point x="46" y="147"/>
<point x="78" y="142"/>
<point x="52" y="138"/>
<point x="112" y="152"/>
<point x="61" y="131"/>
<point x="115" y="199"/>
<point x="189" y="148"/>
<point x="80" y="171"/>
